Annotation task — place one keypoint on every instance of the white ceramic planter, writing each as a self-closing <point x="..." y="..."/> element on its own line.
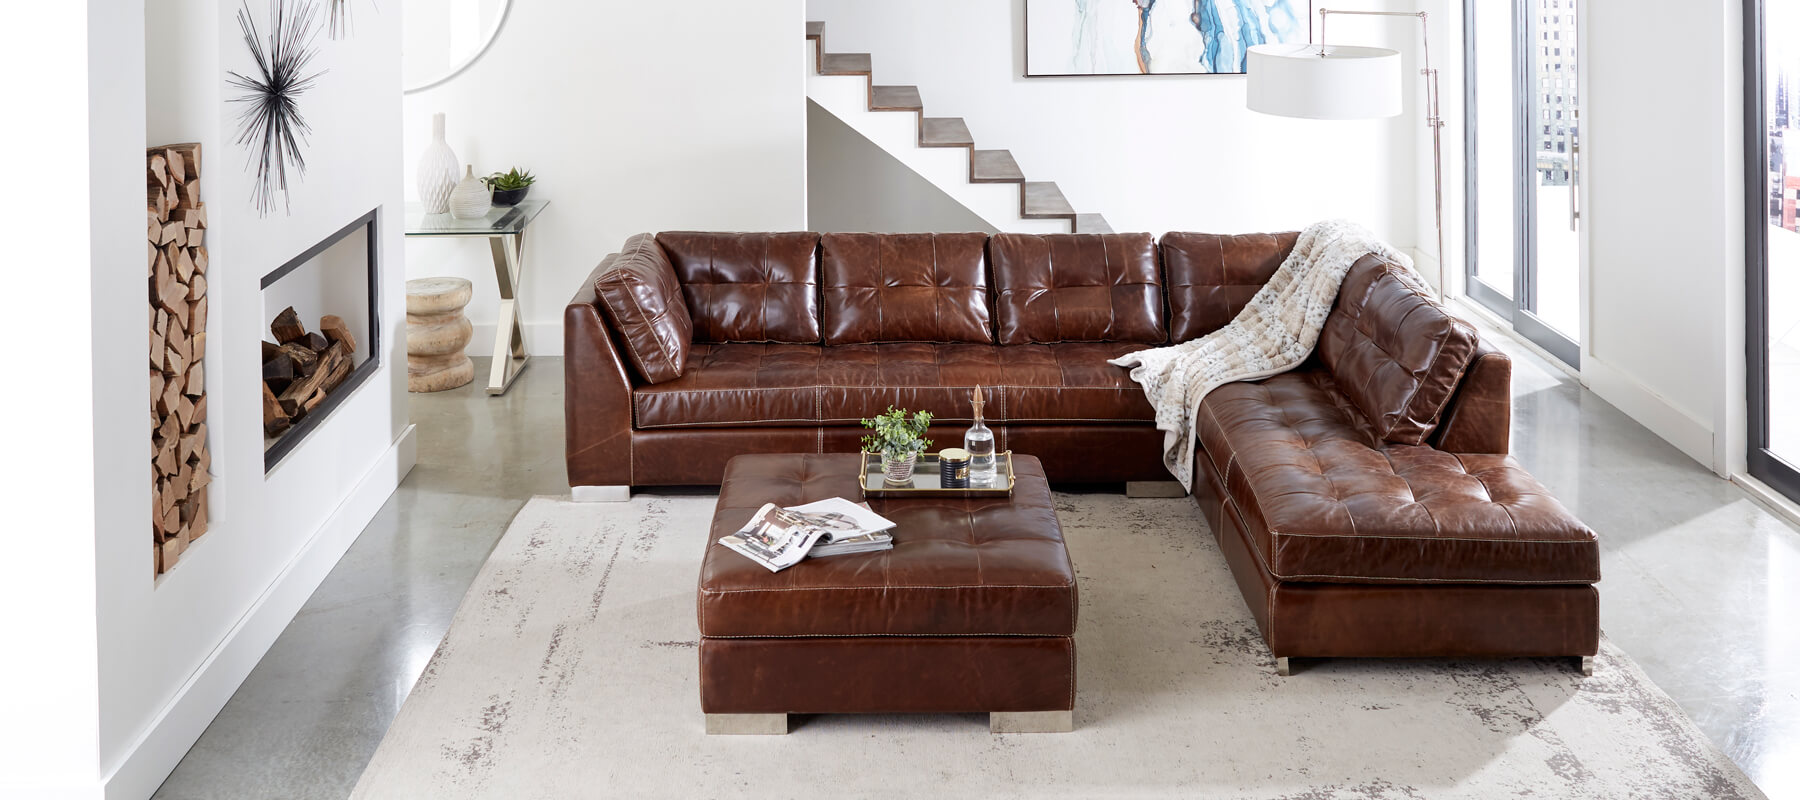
<point x="437" y="170"/>
<point x="471" y="199"/>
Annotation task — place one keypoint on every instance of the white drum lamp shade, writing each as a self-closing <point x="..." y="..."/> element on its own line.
<point x="1324" y="81"/>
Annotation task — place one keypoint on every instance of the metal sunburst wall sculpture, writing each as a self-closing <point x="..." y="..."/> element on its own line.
<point x="270" y="125"/>
<point x="340" y="18"/>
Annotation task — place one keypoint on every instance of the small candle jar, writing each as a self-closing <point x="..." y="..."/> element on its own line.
<point x="953" y="468"/>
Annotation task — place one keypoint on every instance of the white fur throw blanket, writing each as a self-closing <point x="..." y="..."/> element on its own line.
<point x="1273" y="334"/>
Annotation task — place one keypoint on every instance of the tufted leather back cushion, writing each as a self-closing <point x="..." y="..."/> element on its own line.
<point x="1211" y="277"/>
<point x="748" y="287"/>
<point x="643" y="301"/>
<point x="1394" y="351"/>
<point x="905" y="287"/>
<point x="1067" y="287"/>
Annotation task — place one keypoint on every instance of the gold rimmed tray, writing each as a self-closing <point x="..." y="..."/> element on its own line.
<point x="925" y="477"/>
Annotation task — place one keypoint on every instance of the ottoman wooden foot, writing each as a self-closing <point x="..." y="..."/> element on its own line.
<point x="747" y="724"/>
<point x="1031" y="721"/>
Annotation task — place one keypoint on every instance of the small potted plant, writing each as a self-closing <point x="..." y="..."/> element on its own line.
<point x="509" y="187"/>
<point x="899" y="438"/>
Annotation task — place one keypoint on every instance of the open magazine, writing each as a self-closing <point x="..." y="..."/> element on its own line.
<point x="778" y="538"/>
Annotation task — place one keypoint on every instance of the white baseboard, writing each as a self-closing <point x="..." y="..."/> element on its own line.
<point x="149" y="760"/>
<point x="541" y="339"/>
<point x="1689" y="434"/>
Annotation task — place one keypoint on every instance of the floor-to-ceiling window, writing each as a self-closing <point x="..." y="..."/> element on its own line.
<point x="1523" y="146"/>
<point x="1772" y="238"/>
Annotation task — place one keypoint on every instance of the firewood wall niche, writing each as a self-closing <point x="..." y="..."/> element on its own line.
<point x="323" y="339"/>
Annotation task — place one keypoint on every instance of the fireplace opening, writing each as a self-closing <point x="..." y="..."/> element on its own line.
<point x="324" y="334"/>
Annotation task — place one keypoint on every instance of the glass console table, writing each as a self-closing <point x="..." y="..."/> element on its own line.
<point x="504" y="228"/>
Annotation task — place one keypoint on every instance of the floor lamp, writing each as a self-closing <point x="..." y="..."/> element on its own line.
<point x="1322" y="81"/>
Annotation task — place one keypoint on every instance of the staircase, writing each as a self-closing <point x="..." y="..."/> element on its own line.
<point x="940" y="149"/>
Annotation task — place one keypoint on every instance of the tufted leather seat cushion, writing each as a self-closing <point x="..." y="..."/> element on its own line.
<point x="1066" y="287"/>
<point x="905" y="287"/>
<point x="748" y="287"/>
<point x="1212" y="277"/>
<point x="1326" y="500"/>
<point x="643" y="301"/>
<point x="756" y="385"/>
<point x="1394" y="351"/>
<point x="959" y="567"/>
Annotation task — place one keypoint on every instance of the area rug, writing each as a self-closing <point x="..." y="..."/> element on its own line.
<point x="570" y="671"/>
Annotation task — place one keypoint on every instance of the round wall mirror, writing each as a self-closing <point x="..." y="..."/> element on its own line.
<point x="443" y="37"/>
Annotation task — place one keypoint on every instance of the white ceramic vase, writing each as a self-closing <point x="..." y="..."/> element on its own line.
<point x="471" y="198"/>
<point x="437" y="170"/>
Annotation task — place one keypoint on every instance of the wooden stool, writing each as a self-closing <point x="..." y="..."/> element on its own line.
<point x="437" y="331"/>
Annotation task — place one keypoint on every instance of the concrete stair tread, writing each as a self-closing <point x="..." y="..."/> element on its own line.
<point x="895" y="98"/>
<point x="845" y="64"/>
<point x="1042" y="200"/>
<point x="994" y="166"/>
<point x="1091" y="223"/>
<point x="944" y="132"/>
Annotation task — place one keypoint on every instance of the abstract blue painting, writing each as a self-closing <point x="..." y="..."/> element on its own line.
<point x="1150" y="37"/>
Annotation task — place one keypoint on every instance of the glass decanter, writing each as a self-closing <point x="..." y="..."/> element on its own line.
<point x="979" y="441"/>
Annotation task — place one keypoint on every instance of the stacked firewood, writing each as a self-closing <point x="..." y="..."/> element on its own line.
<point x="180" y="461"/>
<point x="300" y="369"/>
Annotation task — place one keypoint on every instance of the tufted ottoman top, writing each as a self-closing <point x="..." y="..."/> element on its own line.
<point x="959" y="567"/>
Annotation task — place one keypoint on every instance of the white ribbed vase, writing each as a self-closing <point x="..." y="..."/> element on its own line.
<point x="471" y="198"/>
<point x="437" y="170"/>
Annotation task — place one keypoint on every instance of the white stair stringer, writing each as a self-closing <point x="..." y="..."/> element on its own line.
<point x="897" y="132"/>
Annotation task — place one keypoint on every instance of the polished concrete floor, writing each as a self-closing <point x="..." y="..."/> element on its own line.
<point x="1699" y="585"/>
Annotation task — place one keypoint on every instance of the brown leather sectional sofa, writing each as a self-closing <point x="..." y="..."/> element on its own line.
<point x="1365" y="501"/>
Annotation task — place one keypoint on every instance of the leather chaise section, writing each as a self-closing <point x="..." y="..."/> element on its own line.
<point x="1324" y="500"/>
<point x="905" y="287"/>
<point x="1398" y="620"/>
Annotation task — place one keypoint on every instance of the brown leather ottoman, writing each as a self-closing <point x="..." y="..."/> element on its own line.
<point x="972" y="611"/>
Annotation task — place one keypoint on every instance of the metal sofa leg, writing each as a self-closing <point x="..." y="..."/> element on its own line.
<point x="600" y="494"/>
<point x="1031" y="721"/>
<point x="747" y="724"/>
<point x="1586" y="664"/>
<point x="1283" y="667"/>
<point x="1154" y="489"/>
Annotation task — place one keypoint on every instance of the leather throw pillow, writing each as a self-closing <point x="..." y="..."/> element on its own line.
<point x="643" y="301"/>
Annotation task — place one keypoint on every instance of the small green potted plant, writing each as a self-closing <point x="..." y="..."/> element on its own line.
<point x="899" y="438"/>
<point x="509" y="187"/>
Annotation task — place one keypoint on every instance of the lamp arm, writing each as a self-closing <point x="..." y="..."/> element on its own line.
<point x="1433" y="118"/>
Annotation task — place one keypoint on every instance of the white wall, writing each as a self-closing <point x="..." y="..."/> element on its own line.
<point x="1663" y="146"/>
<point x="1151" y="153"/>
<point x="49" y="737"/>
<point x="854" y="185"/>
<point x="634" y="117"/>
<point x="118" y="672"/>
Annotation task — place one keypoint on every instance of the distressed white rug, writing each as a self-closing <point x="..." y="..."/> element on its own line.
<point x="569" y="672"/>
